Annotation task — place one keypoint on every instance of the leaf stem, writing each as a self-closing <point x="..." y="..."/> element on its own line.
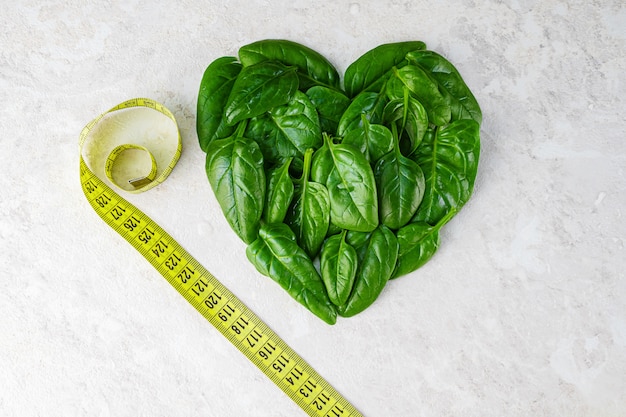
<point x="306" y="165"/>
<point x="405" y="113"/>
<point x="241" y="128"/>
<point x="396" y="139"/>
<point x="445" y="219"/>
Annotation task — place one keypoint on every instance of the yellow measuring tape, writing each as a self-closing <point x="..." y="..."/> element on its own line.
<point x="247" y="332"/>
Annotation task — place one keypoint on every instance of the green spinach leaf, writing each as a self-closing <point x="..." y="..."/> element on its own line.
<point x="215" y="87"/>
<point x="313" y="68"/>
<point x="330" y="105"/>
<point x="351" y="187"/>
<point x="449" y="158"/>
<point x="417" y="242"/>
<point x="358" y="240"/>
<point x="276" y="254"/>
<point x="373" y="140"/>
<point x="401" y="184"/>
<point x="370" y="69"/>
<point x="408" y="114"/>
<point x="280" y="191"/>
<point x="424" y="88"/>
<point x="234" y="167"/>
<point x="373" y="272"/>
<point x="369" y="104"/>
<point x="322" y="164"/>
<point x="259" y="88"/>
<point x="462" y="101"/>
<point x="309" y="213"/>
<point x="287" y="131"/>
<point x="338" y="266"/>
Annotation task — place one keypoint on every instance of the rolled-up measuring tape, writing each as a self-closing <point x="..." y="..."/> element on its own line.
<point x="247" y="332"/>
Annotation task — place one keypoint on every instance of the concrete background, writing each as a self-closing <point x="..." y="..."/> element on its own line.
<point x="522" y="312"/>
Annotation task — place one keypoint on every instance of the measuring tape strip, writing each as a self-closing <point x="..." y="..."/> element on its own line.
<point x="247" y="332"/>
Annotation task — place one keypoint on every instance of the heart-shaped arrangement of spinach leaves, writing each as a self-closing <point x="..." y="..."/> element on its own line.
<point x="338" y="186"/>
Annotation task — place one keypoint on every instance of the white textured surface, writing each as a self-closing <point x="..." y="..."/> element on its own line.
<point x="521" y="313"/>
